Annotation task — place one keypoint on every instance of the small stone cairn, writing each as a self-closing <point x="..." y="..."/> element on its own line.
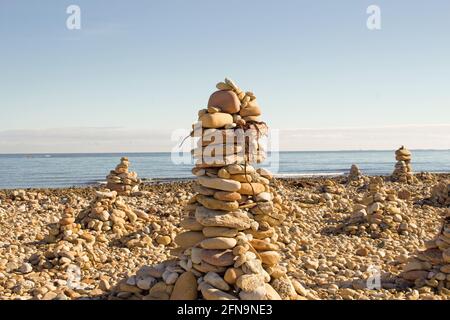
<point x="228" y="250"/>
<point x="440" y="194"/>
<point x="109" y="213"/>
<point x="403" y="169"/>
<point x="122" y="180"/>
<point x="377" y="211"/>
<point x="355" y="177"/>
<point x="431" y="267"/>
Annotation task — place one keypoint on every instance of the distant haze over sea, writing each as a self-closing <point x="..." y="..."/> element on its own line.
<point x="66" y="170"/>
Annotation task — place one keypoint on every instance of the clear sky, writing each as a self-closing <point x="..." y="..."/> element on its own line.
<point x="137" y="70"/>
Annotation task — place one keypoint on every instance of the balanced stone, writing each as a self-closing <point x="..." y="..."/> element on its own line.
<point x="216" y="120"/>
<point x="226" y="100"/>
<point x="403" y="170"/>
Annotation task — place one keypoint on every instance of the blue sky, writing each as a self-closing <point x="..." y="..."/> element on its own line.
<point x="146" y="67"/>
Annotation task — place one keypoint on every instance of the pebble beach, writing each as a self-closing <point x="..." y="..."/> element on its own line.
<point x="326" y="251"/>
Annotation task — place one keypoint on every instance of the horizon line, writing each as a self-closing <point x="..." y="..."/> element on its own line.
<point x="141" y="152"/>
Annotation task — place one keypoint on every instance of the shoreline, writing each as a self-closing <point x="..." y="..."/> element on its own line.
<point x="168" y="181"/>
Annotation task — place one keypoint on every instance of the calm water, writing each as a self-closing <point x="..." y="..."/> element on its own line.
<point x="64" y="170"/>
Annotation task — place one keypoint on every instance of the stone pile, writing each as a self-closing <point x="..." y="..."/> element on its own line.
<point x="109" y="213"/>
<point x="403" y="169"/>
<point x="440" y="194"/>
<point x="355" y="177"/>
<point x="431" y="267"/>
<point x="122" y="180"/>
<point x="65" y="229"/>
<point x="229" y="248"/>
<point x="378" y="210"/>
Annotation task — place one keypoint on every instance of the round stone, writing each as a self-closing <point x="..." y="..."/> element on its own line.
<point x="225" y="100"/>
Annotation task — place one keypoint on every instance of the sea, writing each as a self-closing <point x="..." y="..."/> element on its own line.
<point x="71" y="170"/>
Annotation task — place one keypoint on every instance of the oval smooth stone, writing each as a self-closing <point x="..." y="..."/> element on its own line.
<point x="251" y="189"/>
<point x="220" y="184"/>
<point x="215" y="120"/>
<point x="218" y="243"/>
<point x="226" y="100"/>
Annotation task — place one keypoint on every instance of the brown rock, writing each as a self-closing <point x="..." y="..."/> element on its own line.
<point x="189" y="238"/>
<point x="220" y="258"/>
<point x="251" y="189"/>
<point x="190" y="223"/>
<point x="226" y="100"/>
<point x="232" y="274"/>
<point x="218" y="243"/>
<point x="262" y="245"/>
<point x="211" y="232"/>
<point x="227" y="196"/>
<point x="215" y="204"/>
<point x="185" y="287"/>
<point x="270" y="257"/>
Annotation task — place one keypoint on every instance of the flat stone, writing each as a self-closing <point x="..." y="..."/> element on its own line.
<point x="216" y="120"/>
<point x="251" y="188"/>
<point x="414" y="275"/>
<point x="218" y="243"/>
<point x="211" y="293"/>
<point x="242" y="178"/>
<point x="215" y="204"/>
<point x="211" y="232"/>
<point x="203" y="190"/>
<point x="206" y="267"/>
<point x="239" y="169"/>
<point x="220" y="258"/>
<point x="227" y="196"/>
<point x="190" y="223"/>
<point x="219" y="184"/>
<point x="215" y="280"/>
<point x="189" y="238"/>
<point x="212" y="218"/>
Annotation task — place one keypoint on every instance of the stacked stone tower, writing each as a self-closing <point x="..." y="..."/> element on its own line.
<point x="403" y="169"/>
<point x="228" y="249"/>
<point x="122" y="180"/>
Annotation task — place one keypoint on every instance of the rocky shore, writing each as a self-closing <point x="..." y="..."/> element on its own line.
<point x="111" y="258"/>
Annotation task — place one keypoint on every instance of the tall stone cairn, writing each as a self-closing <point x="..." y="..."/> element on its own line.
<point x="230" y="224"/>
<point x="403" y="169"/>
<point x="431" y="267"/>
<point x="228" y="249"/>
<point x="122" y="180"/>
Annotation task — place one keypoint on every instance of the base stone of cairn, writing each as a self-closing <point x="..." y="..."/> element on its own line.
<point x="379" y="210"/>
<point x="122" y="180"/>
<point x="440" y="194"/>
<point x="228" y="250"/>
<point x="403" y="169"/>
<point x="431" y="267"/>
